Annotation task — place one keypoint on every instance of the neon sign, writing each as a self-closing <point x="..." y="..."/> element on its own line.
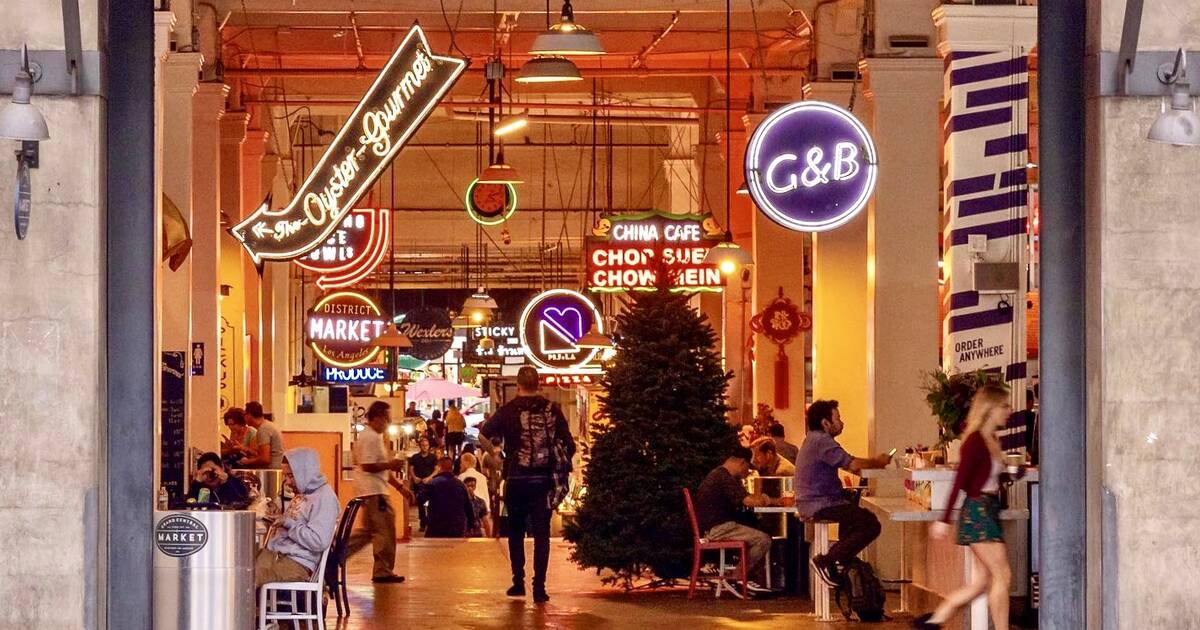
<point x="811" y="166"/>
<point x="491" y="204"/>
<point x="352" y="251"/>
<point x="504" y="345"/>
<point x="406" y="91"/>
<point x="340" y="329"/>
<point x="552" y="323"/>
<point x="630" y="251"/>
<point x="350" y="376"/>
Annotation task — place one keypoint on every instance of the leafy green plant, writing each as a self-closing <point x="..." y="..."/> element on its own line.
<point x="949" y="398"/>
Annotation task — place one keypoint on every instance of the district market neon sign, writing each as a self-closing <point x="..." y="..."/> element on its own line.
<point x="352" y="251"/>
<point x="341" y="327"/>
<point x="630" y="251"/>
<point x="403" y="95"/>
<point x="811" y="166"/>
<point x="552" y="323"/>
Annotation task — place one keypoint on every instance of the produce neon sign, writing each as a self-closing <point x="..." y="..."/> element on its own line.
<point x="403" y="95"/>
<point x="352" y="251"/>
<point x="630" y="251"/>
<point x="341" y="327"/>
<point x="811" y="166"/>
<point x="551" y="325"/>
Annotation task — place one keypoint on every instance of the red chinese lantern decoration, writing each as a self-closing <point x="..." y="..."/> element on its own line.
<point x="781" y="322"/>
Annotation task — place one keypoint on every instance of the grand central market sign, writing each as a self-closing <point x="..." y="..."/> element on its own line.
<point x="406" y="91"/>
<point x="811" y="166"/>
<point x="631" y="251"/>
<point x="341" y="327"/>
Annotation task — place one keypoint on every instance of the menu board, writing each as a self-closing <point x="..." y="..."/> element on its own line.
<point x="173" y="416"/>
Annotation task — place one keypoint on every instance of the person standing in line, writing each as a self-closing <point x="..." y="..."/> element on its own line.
<point x="456" y="431"/>
<point x="376" y="465"/>
<point x="269" y="451"/>
<point x="422" y="466"/>
<point x="819" y="491"/>
<point x="532" y="428"/>
<point x="978" y="476"/>
<point x="451" y="513"/>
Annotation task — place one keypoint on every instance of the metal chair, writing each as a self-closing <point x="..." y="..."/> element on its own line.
<point x="335" y="572"/>
<point x="700" y="545"/>
<point x="309" y="593"/>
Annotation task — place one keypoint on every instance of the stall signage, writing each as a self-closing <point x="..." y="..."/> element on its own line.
<point x="552" y="323"/>
<point x="352" y="251"/>
<point x="430" y="332"/>
<point x="354" y="375"/>
<point x="505" y="345"/>
<point x="403" y="95"/>
<point x="630" y="251"/>
<point x="180" y="535"/>
<point x="811" y="166"/>
<point x="341" y="327"/>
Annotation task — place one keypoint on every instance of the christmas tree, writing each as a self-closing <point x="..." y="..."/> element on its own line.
<point x="666" y="430"/>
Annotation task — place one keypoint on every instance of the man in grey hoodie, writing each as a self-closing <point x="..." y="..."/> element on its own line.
<point x="301" y="534"/>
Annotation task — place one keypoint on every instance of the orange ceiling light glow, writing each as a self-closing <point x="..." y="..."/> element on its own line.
<point x="352" y="251"/>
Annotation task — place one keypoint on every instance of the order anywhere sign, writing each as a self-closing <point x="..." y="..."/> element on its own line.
<point x="406" y="91"/>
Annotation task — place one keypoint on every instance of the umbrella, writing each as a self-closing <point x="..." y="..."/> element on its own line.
<point x="439" y="389"/>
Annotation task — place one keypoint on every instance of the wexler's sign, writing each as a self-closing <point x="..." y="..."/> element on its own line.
<point x="403" y="95"/>
<point x="630" y="251"/>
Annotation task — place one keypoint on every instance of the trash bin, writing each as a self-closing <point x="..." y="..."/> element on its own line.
<point x="204" y="570"/>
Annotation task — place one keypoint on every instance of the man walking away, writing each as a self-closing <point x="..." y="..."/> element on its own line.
<point x="456" y="431"/>
<point x="819" y="491"/>
<point x="376" y="464"/>
<point x="531" y="427"/>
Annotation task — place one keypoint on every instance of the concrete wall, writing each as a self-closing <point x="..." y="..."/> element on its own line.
<point x="1143" y="349"/>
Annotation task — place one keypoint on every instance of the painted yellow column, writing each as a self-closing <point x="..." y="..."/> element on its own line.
<point x="230" y="355"/>
<point x="208" y="104"/>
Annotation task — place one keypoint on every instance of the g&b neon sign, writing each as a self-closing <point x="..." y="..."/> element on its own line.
<point x="811" y="166"/>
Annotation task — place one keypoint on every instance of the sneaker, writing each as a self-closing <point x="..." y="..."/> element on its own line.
<point x="755" y="587"/>
<point x="923" y="622"/>
<point x="826" y="569"/>
<point x="388" y="579"/>
<point x="540" y="596"/>
<point x="516" y="590"/>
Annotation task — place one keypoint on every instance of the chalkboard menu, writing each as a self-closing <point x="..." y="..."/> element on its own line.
<point x="174" y="365"/>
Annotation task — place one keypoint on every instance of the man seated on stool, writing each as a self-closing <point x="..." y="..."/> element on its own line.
<point x="767" y="462"/>
<point x="819" y="491"/>
<point x="300" y="535"/>
<point x="721" y="502"/>
<point x="227" y="491"/>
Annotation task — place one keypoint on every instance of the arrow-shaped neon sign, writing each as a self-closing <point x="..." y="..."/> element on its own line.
<point x="403" y="95"/>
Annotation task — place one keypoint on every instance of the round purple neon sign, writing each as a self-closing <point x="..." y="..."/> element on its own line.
<point x="811" y="166"/>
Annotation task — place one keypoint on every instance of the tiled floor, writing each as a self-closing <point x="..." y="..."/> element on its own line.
<point x="460" y="584"/>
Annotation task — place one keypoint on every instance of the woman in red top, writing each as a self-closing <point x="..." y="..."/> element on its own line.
<point x="979" y="519"/>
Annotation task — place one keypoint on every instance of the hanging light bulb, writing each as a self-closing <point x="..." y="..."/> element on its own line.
<point x="567" y="37"/>
<point x="728" y="256"/>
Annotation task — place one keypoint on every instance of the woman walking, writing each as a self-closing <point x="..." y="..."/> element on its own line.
<point x="979" y="520"/>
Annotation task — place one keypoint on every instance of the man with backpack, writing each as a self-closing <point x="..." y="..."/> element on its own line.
<point x="537" y="440"/>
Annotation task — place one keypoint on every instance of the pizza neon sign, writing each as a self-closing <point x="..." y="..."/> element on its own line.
<point x="403" y="95"/>
<point x="551" y="325"/>
<point x="631" y="251"/>
<point x="341" y="327"/>
<point x="352" y="251"/>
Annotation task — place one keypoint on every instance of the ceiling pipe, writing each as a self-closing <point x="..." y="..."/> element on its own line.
<point x="552" y="119"/>
<point x="526" y="105"/>
<point x="640" y="59"/>
<point x="371" y="73"/>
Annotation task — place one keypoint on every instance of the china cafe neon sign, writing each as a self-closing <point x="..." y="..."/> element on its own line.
<point x="403" y="95"/>
<point x="341" y="327"/>
<point x="630" y="251"/>
<point x="352" y="251"/>
<point x="811" y="166"/>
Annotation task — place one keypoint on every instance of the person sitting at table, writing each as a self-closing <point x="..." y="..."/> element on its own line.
<point x="227" y="491"/>
<point x="482" y="527"/>
<point x="978" y="476"/>
<point x="243" y="438"/>
<point x="819" y="491"/>
<point x="721" y="514"/>
<point x="767" y="462"/>
<point x="451" y="514"/>
<point x="299" y="536"/>
<point x="786" y="449"/>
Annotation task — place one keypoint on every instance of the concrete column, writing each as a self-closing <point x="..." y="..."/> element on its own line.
<point x="739" y="298"/>
<point x="163" y="22"/>
<point x="986" y="196"/>
<point x="253" y="194"/>
<point x="231" y="351"/>
<point x="282" y="363"/>
<point x="903" y="228"/>
<point x="840" y="306"/>
<point x="208" y="105"/>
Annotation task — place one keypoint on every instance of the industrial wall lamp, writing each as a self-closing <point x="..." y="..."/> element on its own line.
<point x="22" y="121"/>
<point x="1133" y="72"/>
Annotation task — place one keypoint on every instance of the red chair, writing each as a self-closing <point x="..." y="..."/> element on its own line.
<point x="700" y="545"/>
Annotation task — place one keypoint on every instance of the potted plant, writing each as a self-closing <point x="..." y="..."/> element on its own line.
<point x="949" y="398"/>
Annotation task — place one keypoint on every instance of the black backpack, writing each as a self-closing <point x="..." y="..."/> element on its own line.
<point x="860" y="592"/>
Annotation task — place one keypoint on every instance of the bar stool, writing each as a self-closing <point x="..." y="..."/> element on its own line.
<point x="816" y="533"/>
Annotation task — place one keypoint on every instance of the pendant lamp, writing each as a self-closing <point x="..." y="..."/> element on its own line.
<point x="392" y="338"/>
<point x="549" y="70"/>
<point x="728" y="256"/>
<point x="595" y="339"/>
<point x="567" y="38"/>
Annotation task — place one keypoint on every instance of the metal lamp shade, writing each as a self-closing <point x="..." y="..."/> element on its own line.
<point x="392" y="338"/>
<point x="1178" y="125"/>
<point x="500" y="173"/>
<point x="595" y="339"/>
<point x="565" y="39"/>
<point x="548" y="70"/>
<point x="728" y="253"/>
